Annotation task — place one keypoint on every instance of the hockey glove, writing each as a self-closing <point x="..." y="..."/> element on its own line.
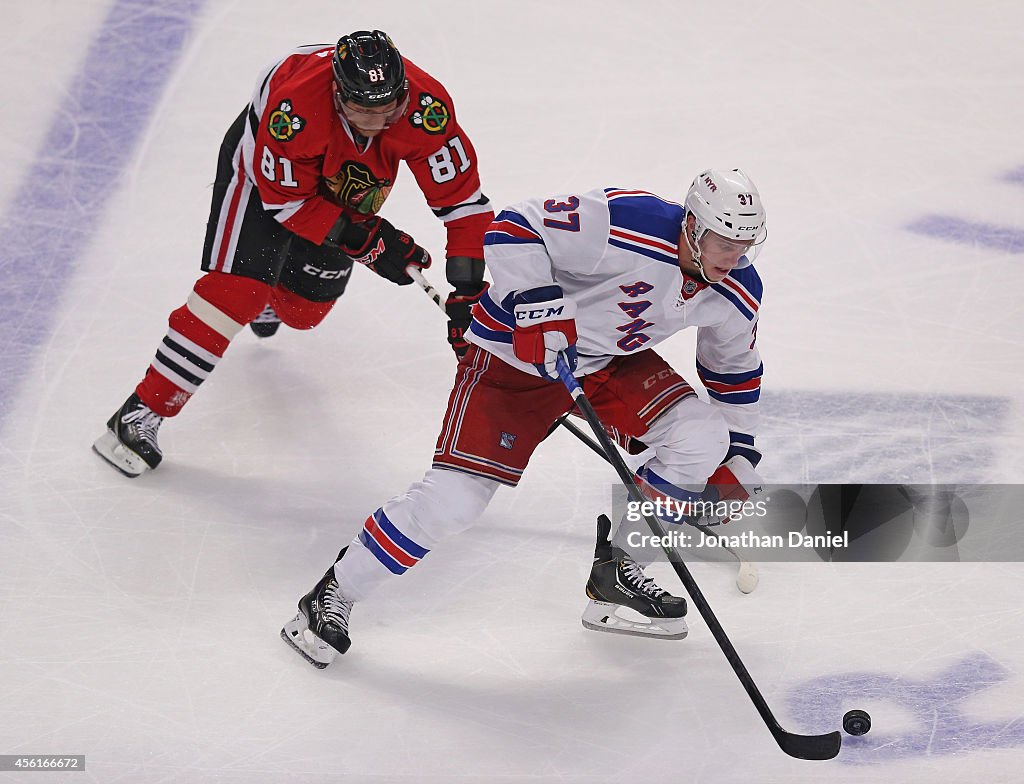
<point x="735" y="481"/>
<point x="459" y="307"/>
<point x="545" y="326"/>
<point x="380" y="246"/>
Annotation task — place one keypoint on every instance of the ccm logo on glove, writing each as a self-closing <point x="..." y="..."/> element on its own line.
<point x="542" y="314"/>
<point x="371" y="257"/>
<point x="545" y="327"/>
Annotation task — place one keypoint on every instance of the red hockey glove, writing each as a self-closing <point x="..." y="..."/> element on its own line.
<point x="545" y="326"/>
<point x="459" y="307"/>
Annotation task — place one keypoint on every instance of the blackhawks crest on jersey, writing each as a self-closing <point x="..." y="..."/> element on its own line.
<point x="432" y="115"/>
<point x="283" y="123"/>
<point x="355" y="186"/>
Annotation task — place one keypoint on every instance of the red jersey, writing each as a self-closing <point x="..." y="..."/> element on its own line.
<point x="308" y="167"/>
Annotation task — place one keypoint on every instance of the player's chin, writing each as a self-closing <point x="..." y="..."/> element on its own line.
<point x="717" y="274"/>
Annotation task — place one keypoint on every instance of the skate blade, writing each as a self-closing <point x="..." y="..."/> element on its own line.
<point x="114" y="452"/>
<point x="602" y="617"/>
<point x="310" y="647"/>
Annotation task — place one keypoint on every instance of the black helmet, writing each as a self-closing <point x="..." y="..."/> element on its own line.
<point x="368" y="69"/>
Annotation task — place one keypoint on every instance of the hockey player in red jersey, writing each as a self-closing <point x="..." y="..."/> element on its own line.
<point x="599" y="277"/>
<point x="302" y="176"/>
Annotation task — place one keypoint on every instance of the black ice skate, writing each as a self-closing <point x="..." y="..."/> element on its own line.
<point x="618" y="583"/>
<point x="266" y="323"/>
<point x="320" y="629"/>
<point x="130" y="441"/>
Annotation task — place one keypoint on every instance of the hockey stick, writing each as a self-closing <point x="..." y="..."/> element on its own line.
<point x="414" y="272"/>
<point x="809" y="747"/>
<point x="746" y="578"/>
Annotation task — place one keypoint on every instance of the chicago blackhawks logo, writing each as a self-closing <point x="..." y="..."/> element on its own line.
<point x="356" y="187"/>
<point x="282" y="124"/>
<point x="432" y="116"/>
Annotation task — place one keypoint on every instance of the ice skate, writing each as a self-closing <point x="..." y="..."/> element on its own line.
<point x="319" y="631"/>
<point x="624" y="600"/>
<point x="130" y="443"/>
<point x="266" y="323"/>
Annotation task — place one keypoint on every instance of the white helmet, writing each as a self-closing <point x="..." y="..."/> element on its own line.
<point x="726" y="202"/>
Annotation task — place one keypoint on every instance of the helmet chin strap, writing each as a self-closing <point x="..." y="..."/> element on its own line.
<point x="694" y="249"/>
<point x="700" y="269"/>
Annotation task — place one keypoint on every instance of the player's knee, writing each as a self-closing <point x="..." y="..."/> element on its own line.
<point x="298" y="312"/>
<point x="445" y="503"/>
<point x="239" y="298"/>
<point x="695" y="434"/>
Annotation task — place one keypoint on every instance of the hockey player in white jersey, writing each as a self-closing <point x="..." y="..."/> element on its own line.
<point x="601" y="277"/>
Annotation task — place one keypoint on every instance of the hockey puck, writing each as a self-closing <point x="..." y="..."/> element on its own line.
<point x="856" y="722"/>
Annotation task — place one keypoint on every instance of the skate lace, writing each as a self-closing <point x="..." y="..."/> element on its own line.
<point x="638" y="580"/>
<point x="146" y="423"/>
<point x="336" y="610"/>
<point x="267" y="316"/>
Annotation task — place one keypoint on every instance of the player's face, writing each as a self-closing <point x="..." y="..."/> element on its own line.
<point x="718" y="256"/>
<point x="371" y="120"/>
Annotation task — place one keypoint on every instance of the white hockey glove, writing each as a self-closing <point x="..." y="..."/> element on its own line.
<point x="545" y="326"/>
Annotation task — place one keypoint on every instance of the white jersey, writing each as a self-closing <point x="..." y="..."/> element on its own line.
<point x="615" y="253"/>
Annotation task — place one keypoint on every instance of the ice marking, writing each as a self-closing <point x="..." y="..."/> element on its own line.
<point x="965" y="232"/>
<point x="61" y="200"/>
<point x="943" y="724"/>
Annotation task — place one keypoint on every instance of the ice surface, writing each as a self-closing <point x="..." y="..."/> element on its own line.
<point x="139" y="619"/>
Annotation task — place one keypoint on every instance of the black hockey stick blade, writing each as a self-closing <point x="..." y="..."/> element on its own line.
<point x="808" y="747"/>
